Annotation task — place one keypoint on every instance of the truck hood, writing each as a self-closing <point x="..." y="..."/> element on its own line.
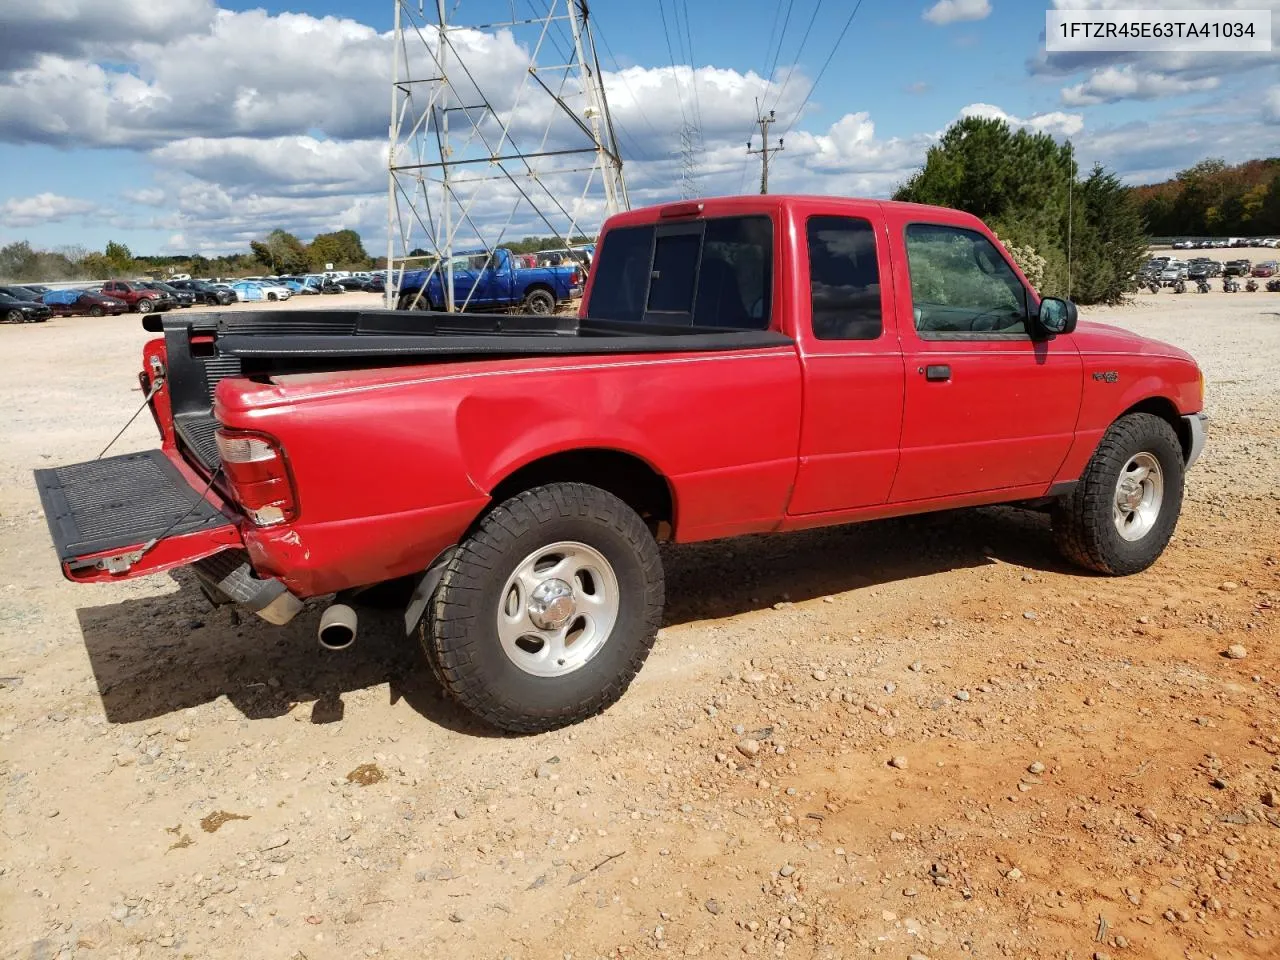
<point x="1092" y="337"/>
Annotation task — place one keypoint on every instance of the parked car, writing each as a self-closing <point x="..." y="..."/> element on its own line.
<point x="1267" y="268"/>
<point x="1203" y="269"/>
<point x="1184" y="245"/>
<point x="518" y="472"/>
<point x="248" y="291"/>
<point x="15" y="310"/>
<point x="138" y="297"/>
<point x="183" y="298"/>
<point x="300" y="287"/>
<point x="205" y="292"/>
<point x="363" y="284"/>
<point x="1236" y="268"/>
<point x="83" y="303"/>
<point x="484" y="281"/>
<point x="15" y="291"/>
<point x="1173" y="271"/>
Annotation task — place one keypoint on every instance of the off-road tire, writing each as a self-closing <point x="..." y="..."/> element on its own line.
<point x="540" y="303"/>
<point x="460" y="634"/>
<point x="145" y="306"/>
<point x="1083" y="525"/>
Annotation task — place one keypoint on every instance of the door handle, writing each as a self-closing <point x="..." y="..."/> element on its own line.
<point x="937" y="372"/>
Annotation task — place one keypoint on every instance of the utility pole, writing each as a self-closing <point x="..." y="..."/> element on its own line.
<point x="765" y="150"/>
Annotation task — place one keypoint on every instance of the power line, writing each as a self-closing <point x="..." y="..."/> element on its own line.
<point x="826" y="63"/>
<point x="799" y="51"/>
<point x="675" y="76"/>
<point x="693" y="66"/>
<point x="781" y="37"/>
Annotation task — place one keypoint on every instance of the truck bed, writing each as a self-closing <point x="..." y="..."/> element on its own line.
<point x="267" y="343"/>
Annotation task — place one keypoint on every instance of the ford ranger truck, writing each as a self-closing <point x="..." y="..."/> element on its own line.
<point x="742" y="365"/>
<point x="489" y="282"/>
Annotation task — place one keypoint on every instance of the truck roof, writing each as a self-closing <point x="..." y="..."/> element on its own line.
<point x="781" y="202"/>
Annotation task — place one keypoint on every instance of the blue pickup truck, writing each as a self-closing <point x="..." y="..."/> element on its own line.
<point x="491" y="281"/>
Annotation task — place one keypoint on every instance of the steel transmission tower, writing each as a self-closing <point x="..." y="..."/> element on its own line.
<point x="690" y="148"/>
<point x="500" y="128"/>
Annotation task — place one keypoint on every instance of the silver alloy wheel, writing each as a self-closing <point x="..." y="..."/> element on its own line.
<point x="557" y="609"/>
<point x="1139" y="495"/>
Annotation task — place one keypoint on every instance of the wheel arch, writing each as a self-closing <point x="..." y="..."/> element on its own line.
<point x="540" y="285"/>
<point x="629" y="477"/>
<point x="1166" y="410"/>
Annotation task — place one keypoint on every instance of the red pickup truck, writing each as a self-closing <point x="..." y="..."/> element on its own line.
<point x="139" y="298"/>
<point x="739" y="366"/>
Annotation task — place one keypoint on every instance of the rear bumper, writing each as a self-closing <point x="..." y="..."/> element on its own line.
<point x="1197" y="426"/>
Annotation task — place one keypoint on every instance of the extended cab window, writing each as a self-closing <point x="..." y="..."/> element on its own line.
<point x="844" y="279"/>
<point x="713" y="273"/>
<point x="961" y="285"/>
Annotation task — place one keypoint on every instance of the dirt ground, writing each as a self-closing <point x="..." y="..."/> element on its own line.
<point x="915" y="738"/>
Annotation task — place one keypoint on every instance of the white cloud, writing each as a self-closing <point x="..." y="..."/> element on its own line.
<point x="1055" y="122"/>
<point x="43" y="208"/>
<point x="292" y="166"/>
<point x="1129" y="83"/>
<point x="953" y="11"/>
<point x="1271" y="105"/>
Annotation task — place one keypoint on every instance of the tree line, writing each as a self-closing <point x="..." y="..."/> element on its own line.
<point x="1213" y="199"/>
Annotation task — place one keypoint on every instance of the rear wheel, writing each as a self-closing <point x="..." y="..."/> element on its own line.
<point x="546" y="613"/>
<point x="540" y="303"/>
<point x="1120" y="516"/>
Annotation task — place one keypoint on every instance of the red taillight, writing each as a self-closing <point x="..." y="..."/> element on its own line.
<point x="259" y="477"/>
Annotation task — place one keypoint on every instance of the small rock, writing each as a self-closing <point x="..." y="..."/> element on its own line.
<point x="456" y="917"/>
<point x="713" y="907"/>
<point x="916" y="956"/>
<point x="890" y="687"/>
<point x="819" y="675"/>
<point x="462" y="811"/>
<point x="1036" y="767"/>
<point x="1228" y="586"/>
<point x="1030" y="615"/>
<point x="1271" y="798"/>
<point x="786" y="870"/>
<point x="1237" y="651"/>
<point x="274" y="841"/>
<point x="183" y="735"/>
<point x="916" y="667"/>
<point x="962" y="695"/>
<point x="1014" y="874"/>
<point x="896" y="836"/>
<point x="1147" y="815"/>
<point x="1101" y="955"/>
<point x="749" y="747"/>
<point x="543" y="771"/>
<point x="898" y="763"/>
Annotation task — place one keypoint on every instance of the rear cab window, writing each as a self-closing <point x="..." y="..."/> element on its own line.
<point x="714" y="273"/>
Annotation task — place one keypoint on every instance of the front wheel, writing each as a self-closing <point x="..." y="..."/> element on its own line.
<point x="14" y="316"/>
<point x="1120" y="516"/>
<point x="96" y="311"/>
<point x="145" y="306"/>
<point x="546" y="613"/>
<point x="540" y="303"/>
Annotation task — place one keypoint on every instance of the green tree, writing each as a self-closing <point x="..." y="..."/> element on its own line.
<point x="16" y="261"/>
<point x="1109" y="242"/>
<point x="281" y="252"/>
<point x="343" y="249"/>
<point x="1023" y="185"/>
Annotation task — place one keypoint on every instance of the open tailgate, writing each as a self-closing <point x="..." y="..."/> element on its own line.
<point x="104" y="515"/>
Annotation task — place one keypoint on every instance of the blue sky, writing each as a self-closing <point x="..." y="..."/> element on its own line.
<point x="195" y="125"/>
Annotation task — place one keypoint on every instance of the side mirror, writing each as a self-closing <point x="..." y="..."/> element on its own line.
<point x="1055" y="317"/>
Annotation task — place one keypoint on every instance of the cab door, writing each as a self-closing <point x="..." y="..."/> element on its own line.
<point x="987" y="407"/>
<point x="853" y="367"/>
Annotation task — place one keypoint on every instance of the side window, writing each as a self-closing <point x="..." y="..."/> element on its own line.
<point x="622" y="275"/>
<point x="675" y="266"/>
<point x="844" y="279"/>
<point x="735" y="282"/>
<point x="960" y="284"/>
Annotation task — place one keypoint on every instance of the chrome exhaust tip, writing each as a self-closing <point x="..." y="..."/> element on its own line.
<point x="337" y="629"/>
